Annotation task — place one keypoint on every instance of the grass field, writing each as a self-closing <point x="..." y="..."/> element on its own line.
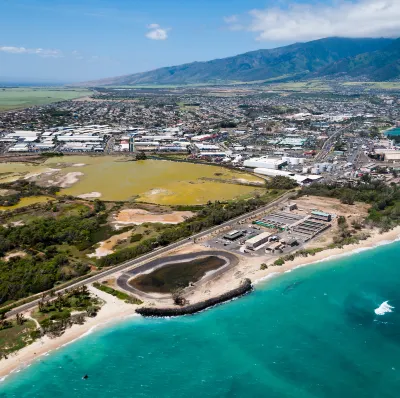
<point x="376" y="85"/>
<point x="310" y="86"/>
<point x="16" y="98"/>
<point x="271" y="84"/>
<point x="16" y="337"/>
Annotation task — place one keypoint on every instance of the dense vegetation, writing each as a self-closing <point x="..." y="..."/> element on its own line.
<point x="378" y="65"/>
<point x="384" y="199"/>
<point x="43" y="261"/>
<point x="295" y="60"/>
<point x="42" y="233"/>
<point x="22" y="189"/>
<point x="281" y="182"/>
<point x="227" y="124"/>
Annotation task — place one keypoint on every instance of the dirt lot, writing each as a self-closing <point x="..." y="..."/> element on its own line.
<point x="332" y="206"/>
<point x="140" y="216"/>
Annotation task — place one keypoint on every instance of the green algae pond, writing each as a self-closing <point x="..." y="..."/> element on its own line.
<point x="119" y="178"/>
<point x="176" y="275"/>
<point x="27" y="202"/>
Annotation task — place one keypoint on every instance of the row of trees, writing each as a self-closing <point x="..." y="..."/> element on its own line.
<point x="281" y="182"/>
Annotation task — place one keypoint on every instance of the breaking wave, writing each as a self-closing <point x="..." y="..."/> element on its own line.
<point x="383" y="308"/>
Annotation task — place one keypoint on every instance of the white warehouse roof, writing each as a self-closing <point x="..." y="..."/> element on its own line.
<point x="264" y="162"/>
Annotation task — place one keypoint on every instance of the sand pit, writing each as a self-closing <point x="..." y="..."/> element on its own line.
<point x="106" y="247"/>
<point x="140" y="216"/>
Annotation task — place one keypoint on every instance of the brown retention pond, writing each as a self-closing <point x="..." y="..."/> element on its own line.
<point x="176" y="275"/>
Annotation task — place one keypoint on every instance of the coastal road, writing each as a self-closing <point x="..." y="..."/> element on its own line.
<point x="149" y="256"/>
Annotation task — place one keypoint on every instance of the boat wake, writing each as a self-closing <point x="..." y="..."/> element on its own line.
<point x="383" y="308"/>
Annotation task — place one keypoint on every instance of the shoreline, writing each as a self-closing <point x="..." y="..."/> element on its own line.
<point x="375" y="240"/>
<point x="115" y="310"/>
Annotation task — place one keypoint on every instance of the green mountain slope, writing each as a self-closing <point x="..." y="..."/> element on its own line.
<point x="381" y="65"/>
<point x="298" y="59"/>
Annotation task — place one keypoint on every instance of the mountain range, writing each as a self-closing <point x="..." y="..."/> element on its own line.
<point x="354" y="59"/>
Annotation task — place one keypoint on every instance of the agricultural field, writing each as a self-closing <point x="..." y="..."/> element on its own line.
<point x="17" y="98"/>
<point x="305" y="86"/>
<point x="375" y="85"/>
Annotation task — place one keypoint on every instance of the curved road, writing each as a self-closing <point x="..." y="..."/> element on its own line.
<point x="154" y="253"/>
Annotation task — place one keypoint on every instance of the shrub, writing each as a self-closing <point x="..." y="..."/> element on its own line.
<point x="280" y="261"/>
<point x="136" y="238"/>
<point x="116" y="293"/>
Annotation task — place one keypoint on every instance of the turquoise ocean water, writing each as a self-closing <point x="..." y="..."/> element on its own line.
<point x="309" y="333"/>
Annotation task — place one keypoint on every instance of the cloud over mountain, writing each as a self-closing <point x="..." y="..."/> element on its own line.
<point x="300" y="22"/>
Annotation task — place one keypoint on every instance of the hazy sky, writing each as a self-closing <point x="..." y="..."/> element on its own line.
<point x="78" y="40"/>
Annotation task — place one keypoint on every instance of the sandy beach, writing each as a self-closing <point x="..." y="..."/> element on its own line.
<point x="376" y="239"/>
<point x="116" y="310"/>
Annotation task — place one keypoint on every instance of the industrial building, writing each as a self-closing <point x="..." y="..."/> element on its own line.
<point x="320" y="215"/>
<point x="274" y="247"/>
<point x="388" y="155"/>
<point x="256" y="241"/>
<point x="264" y="162"/>
<point x="300" y="179"/>
<point x="280" y="220"/>
<point x="233" y="235"/>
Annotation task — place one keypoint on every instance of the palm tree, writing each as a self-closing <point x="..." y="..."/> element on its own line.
<point x="84" y="290"/>
<point x="59" y="301"/>
<point x="20" y="318"/>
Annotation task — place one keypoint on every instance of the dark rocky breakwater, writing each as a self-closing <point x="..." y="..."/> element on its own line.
<point x="245" y="287"/>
